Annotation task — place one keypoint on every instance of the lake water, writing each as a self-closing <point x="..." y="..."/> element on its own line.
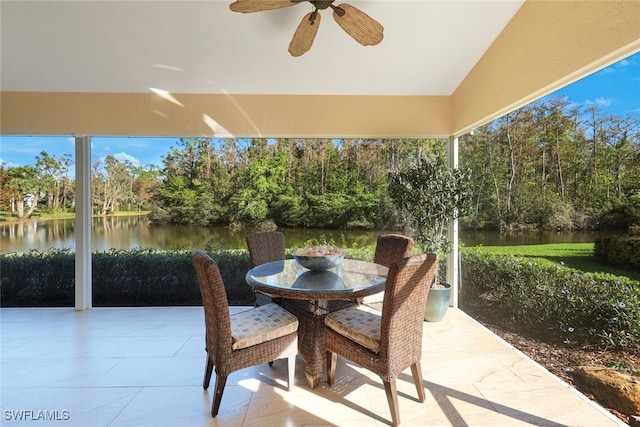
<point x="136" y="232"/>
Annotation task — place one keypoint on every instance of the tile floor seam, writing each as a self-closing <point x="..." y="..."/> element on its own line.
<point x="186" y="341"/>
<point x="499" y="409"/>
<point x="119" y="360"/>
<point x="115" y="417"/>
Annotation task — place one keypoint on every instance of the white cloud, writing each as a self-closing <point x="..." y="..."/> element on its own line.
<point x="602" y="102"/>
<point x="619" y="66"/>
<point x="8" y="164"/>
<point x="122" y="157"/>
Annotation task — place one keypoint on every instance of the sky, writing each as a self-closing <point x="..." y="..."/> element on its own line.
<point x="615" y="89"/>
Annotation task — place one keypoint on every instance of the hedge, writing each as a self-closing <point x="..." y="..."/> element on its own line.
<point x="134" y="278"/>
<point x="623" y="251"/>
<point x="142" y="277"/>
<point x="581" y="308"/>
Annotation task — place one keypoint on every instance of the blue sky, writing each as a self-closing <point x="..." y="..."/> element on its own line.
<point x="615" y="89"/>
<point x="21" y="150"/>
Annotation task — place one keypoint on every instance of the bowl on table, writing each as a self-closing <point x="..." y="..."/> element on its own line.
<point x="319" y="258"/>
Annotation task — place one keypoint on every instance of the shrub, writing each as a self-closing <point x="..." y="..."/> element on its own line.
<point x="580" y="307"/>
<point x="37" y="276"/>
<point x="431" y="194"/>
<point x="620" y="250"/>
<point x="140" y="277"/>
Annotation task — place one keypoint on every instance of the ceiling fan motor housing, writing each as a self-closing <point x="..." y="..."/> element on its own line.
<point x="321" y="4"/>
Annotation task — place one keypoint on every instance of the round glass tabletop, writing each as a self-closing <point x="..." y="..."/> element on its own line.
<point x="350" y="279"/>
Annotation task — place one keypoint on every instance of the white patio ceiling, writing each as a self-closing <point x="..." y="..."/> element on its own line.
<point x="203" y="47"/>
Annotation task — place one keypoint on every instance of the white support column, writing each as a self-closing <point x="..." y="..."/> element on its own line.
<point x="453" y="258"/>
<point x="83" y="223"/>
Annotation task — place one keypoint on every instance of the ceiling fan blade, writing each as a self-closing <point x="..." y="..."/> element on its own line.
<point x="305" y="34"/>
<point x="247" y="6"/>
<point x="363" y="28"/>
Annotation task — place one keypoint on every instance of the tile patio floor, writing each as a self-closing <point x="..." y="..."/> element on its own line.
<point x="143" y="367"/>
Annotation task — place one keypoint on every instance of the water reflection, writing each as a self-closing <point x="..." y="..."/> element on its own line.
<point x="136" y="232"/>
<point x="533" y="237"/>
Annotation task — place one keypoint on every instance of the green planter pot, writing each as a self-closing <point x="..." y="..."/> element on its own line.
<point x="437" y="303"/>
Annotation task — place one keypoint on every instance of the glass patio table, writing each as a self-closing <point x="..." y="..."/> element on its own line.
<point x="311" y="295"/>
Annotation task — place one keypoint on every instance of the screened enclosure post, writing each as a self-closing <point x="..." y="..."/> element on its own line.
<point x="453" y="257"/>
<point x="83" y="223"/>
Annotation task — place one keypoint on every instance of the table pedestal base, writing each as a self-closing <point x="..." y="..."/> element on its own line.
<point x="311" y="336"/>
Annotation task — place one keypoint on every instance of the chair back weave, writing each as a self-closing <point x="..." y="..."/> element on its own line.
<point x="265" y="246"/>
<point x="392" y="248"/>
<point x="216" y="306"/>
<point x="403" y="307"/>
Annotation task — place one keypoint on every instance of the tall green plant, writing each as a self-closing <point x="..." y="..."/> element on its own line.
<point x="431" y="194"/>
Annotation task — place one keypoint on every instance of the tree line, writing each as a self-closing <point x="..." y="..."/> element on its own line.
<point x="546" y="165"/>
<point x="48" y="186"/>
<point x="553" y="165"/>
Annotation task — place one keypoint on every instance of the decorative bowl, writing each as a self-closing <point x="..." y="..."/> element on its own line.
<point x="319" y="258"/>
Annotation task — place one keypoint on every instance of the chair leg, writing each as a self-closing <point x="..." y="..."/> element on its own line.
<point x="208" y="370"/>
<point x="221" y="380"/>
<point x="291" y="371"/>
<point x="392" y="398"/>
<point x="416" y="370"/>
<point x="332" y="360"/>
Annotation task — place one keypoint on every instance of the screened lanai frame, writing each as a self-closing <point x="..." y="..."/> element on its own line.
<point x="544" y="46"/>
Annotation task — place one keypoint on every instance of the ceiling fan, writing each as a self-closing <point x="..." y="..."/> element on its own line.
<point x="364" y="29"/>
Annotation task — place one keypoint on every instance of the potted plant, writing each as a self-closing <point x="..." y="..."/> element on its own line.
<point x="430" y="195"/>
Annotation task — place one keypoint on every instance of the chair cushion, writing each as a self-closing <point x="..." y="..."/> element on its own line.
<point x="260" y="324"/>
<point x="371" y="299"/>
<point x="358" y="323"/>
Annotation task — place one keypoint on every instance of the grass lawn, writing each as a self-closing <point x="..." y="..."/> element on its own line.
<point x="8" y="217"/>
<point x="578" y="256"/>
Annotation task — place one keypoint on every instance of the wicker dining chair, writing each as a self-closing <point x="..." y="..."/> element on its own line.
<point x="234" y="342"/>
<point x="390" y="341"/>
<point x="390" y="248"/>
<point x="264" y="247"/>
